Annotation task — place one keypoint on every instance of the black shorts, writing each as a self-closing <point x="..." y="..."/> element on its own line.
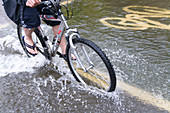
<point x="31" y="17"/>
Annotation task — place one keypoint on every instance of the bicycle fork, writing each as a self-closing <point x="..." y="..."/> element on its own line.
<point x="73" y="48"/>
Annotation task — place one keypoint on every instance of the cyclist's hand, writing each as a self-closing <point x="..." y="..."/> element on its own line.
<point x="32" y="3"/>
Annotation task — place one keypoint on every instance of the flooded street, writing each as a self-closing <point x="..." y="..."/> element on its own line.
<point x="135" y="36"/>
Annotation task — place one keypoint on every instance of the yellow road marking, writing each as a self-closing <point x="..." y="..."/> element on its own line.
<point x="96" y="79"/>
<point x="144" y="96"/>
<point x="139" y="93"/>
<point x="136" y="92"/>
<point x="138" y="20"/>
<point x="148" y="11"/>
<point x="65" y="2"/>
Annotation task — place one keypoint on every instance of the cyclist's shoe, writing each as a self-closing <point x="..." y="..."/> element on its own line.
<point x="31" y="47"/>
<point x="65" y="57"/>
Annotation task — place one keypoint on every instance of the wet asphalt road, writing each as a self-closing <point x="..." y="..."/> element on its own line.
<point x="46" y="90"/>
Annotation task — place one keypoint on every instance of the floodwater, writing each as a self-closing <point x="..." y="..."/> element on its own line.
<point x="139" y="54"/>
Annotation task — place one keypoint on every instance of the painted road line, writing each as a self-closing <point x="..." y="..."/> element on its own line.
<point x="136" y="92"/>
<point x="138" y="20"/>
<point x="65" y="2"/>
<point x="144" y="96"/>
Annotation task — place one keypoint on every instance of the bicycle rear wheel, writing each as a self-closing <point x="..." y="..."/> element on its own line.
<point x="38" y="39"/>
<point x="98" y="70"/>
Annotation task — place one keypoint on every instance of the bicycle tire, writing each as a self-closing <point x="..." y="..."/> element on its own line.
<point x="38" y="39"/>
<point x="102" y="75"/>
<point x="20" y="37"/>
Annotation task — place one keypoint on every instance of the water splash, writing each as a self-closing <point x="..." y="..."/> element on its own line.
<point x="13" y="58"/>
<point x="135" y="69"/>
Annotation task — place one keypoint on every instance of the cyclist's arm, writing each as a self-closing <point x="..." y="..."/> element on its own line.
<point x="32" y="3"/>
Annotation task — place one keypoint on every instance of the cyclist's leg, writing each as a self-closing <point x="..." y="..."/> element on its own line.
<point x="29" y="41"/>
<point x="63" y="42"/>
<point x="31" y="20"/>
<point x="54" y="25"/>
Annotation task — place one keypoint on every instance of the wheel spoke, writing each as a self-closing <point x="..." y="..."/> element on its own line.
<point x="103" y="85"/>
<point x="101" y="76"/>
<point x="96" y="64"/>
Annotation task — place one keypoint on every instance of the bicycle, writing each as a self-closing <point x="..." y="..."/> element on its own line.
<point x="91" y="66"/>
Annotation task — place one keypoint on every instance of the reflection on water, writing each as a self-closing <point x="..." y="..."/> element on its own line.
<point x="140" y="58"/>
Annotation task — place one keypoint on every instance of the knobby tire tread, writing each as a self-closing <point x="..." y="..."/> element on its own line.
<point x="101" y="54"/>
<point x="21" y="39"/>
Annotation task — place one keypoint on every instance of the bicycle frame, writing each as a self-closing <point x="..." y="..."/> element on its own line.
<point x="89" y="58"/>
<point x="69" y="37"/>
<point x="62" y="28"/>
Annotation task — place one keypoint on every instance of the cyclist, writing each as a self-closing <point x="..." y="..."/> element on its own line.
<point x="30" y="20"/>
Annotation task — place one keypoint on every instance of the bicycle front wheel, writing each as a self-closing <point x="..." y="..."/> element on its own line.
<point x="91" y="67"/>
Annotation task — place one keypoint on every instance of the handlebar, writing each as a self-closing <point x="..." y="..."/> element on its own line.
<point x="48" y="2"/>
<point x="53" y="5"/>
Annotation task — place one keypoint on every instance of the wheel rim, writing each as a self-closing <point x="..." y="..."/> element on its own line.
<point x="98" y="76"/>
